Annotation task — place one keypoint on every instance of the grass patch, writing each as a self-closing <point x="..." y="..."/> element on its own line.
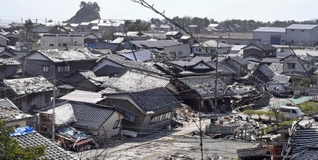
<point x="309" y="108"/>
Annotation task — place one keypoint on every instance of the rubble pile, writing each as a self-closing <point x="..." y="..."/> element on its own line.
<point x="183" y="116"/>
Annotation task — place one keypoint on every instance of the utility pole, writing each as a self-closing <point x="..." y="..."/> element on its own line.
<point x="200" y="128"/>
<point x="36" y="30"/>
<point x="216" y="76"/>
<point x="53" y="103"/>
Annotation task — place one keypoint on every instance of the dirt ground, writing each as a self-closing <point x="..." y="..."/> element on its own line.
<point x="176" y="144"/>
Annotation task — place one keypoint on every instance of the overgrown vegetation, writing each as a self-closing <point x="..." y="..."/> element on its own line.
<point x="10" y="149"/>
<point x="309" y="107"/>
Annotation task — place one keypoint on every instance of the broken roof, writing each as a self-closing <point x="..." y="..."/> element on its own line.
<point x="205" y="86"/>
<point x="27" y="137"/>
<point x="262" y="46"/>
<point x="141" y="55"/>
<point x="29" y="85"/>
<point x="88" y="116"/>
<point x="64" y="115"/>
<point x="132" y="64"/>
<point x="155" y="44"/>
<point x="157" y="99"/>
<point x="212" y="44"/>
<point x="10" y="112"/>
<point x="83" y="96"/>
<point x="56" y="55"/>
<point x="273" y="76"/>
<point x="8" y="61"/>
<point x="136" y="81"/>
<point x="239" y="60"/>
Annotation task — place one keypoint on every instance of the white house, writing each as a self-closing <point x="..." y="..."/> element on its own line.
<point x="178" y="51"/>
<point x="209" y="48"/>
<point x="62" y="41"/>
<point x="270" y="35"/>
<point x="292" y="66"/>
<point x="302" y="34"/>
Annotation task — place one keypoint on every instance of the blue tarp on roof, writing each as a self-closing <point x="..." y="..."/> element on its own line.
<point x="22" y="131"/>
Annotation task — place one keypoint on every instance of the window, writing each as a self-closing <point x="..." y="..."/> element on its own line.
<point x="199" y="50"/>
<point x="294" y="111"/>
<point x="45" y="68"/>
<point x="130" y="117"/>
<point x="180" y="53"/>
<point x="64" y="44"/>
<point x="67" y="68"/>
<point x="116" y="124"/>
<point x="291" y="65"/>
<point x="63" y="69"/>
<point x="303" y="30"/>
<point x="51" y="45"/>
<point x="160" y="118"/>
<point x="292" y="30"/>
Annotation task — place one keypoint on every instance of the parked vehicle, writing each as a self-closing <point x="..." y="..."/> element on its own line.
<point x="291" y="112"/>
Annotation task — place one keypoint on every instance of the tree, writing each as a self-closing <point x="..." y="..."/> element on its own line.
<point x="83" y="4"/>
<point x="138" y="25"/>
<point x="10" y="149"/>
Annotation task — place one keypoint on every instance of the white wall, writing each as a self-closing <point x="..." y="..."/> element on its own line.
<point x="109" y="124"/>
<point x="180" y="51"/>
<point x="298" y="66"/>
<point x="205" y="51"/>
<point x="62" y="42"/>
<point x="265" y="37"/>
<point x="299" y="35"/>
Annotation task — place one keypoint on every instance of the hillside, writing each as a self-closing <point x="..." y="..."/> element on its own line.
<point x="88" y="12"/>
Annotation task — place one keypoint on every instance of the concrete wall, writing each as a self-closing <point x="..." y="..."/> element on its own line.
<point x="210" y="51"/>
<point x="179" y="51"/>
<point x="265" y="37"/>
<point x="301" y="36"/>
<point x="62" y="42"/>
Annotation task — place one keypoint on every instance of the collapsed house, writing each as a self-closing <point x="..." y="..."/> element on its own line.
<point x="146" y="110"/>
<point x="99" y="120"/>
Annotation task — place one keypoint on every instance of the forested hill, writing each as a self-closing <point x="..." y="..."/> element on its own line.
<point x="87" y="12"/>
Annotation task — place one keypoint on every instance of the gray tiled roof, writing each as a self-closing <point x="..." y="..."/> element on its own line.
<point x="239" y="60"/>
<point x="133" y="64"/>
<point x="52" y="151"/>
<point x="182" y="63"/>
<point x="136" y="81"/>
<point x="201" y="58"/>
<point x="273" y="76"/>
<point x="155" y="44"/>
<point x="301" y="140"/>
<point x="264" y="46"/>
<point x="68" y="55"/>
<point x="157" y="99"/>
<point x="8" y="61"/>
<point x="90" y="116"/>
<point x="29" y="85"/>
<point x="10" y="112"/>
<point x="205" y="86"/>
<point x="276" y="67"/>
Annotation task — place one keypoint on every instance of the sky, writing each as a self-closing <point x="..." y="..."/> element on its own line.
<point x="220" y="10"/>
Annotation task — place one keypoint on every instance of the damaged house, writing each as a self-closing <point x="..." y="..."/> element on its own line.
<point x="134" y="80"/>
<point x="99" y="120"/>
<point x="12" y="114"/>
<point x="259" y="50"/>
<point x="52" y="62"/>
<point x="191" y="90"/>
<point x="146" y="110"/>
<point x="276" y="83"/>
<point x="8" y="67"/>
<point x="28" y="94"/>
<point x="87" y="80"/>
<point x="300" y="66"/>
<point x="115" y="66"/>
